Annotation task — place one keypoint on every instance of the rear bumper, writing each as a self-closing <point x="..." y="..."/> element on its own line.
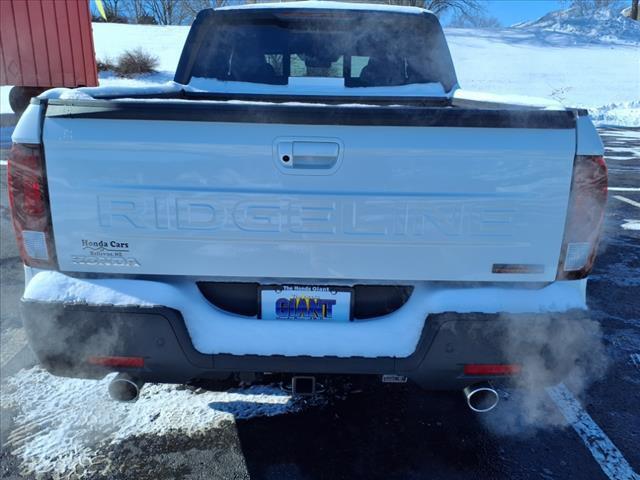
<point x="63" y="336"/>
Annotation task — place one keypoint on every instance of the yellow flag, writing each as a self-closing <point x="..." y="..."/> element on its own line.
<point x="101" y="9"/>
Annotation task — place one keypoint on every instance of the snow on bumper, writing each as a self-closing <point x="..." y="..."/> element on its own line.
<point x="213" y="331"/>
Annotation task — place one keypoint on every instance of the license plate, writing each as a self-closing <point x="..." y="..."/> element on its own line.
<point x="305" y="302"/>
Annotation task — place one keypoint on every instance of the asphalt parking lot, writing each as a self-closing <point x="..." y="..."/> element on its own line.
<point x="581" y="431"/>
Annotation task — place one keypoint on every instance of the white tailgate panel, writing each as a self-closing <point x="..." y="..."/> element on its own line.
<point x="401" y="203"/>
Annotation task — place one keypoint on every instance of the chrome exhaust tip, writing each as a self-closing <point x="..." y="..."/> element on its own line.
<point x="125" y="388"/>
<point x="481" y="397"/>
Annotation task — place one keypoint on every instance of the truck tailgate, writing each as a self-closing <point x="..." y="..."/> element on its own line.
<point x="358" y="193"/>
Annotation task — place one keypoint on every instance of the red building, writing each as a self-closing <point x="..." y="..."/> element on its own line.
<point x="45" y="44"/>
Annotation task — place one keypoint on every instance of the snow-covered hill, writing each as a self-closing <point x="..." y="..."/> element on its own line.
<point x="582" y="60"/>
<point x="592" y="63"/>
<point x="605" y="26"/>
<point x="602" y="76"/>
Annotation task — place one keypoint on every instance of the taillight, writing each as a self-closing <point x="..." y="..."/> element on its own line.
<point x="29" y="200"/>
<point x="587" y="202"/>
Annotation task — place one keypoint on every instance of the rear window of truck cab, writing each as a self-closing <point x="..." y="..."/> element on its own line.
<point x="360" y="49"/>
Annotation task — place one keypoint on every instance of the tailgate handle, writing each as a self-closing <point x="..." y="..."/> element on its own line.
<point x="308" y="155"/>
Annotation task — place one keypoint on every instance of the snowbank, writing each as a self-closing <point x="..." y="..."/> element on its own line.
<point x="616" y="114"/>
<point x="607" y="25"/>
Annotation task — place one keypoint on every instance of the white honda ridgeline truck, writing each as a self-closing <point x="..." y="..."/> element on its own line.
<point x="313" y="195"/>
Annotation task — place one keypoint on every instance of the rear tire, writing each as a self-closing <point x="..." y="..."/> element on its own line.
<point x="19" y="97"/>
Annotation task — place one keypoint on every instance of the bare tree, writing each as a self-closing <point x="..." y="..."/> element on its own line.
<point x="137" y="10"/>
<point x="167" y="12"/>
<point x="587" y="7"/>
<point x="186" y="10"/>
<point x="175" y="12"/>
<point x="114" y="11"/>
<point x="479" y="20"/>
<point x="111" y="7"/>
<point x="192" y="7"/>
<point x="467" y="8"/>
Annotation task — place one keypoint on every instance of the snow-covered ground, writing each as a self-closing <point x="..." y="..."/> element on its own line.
<point x="592" y="63"/>
<point x="56" y="437"/>
<point x="603" y="77"/>
<point x="165" y="42"/>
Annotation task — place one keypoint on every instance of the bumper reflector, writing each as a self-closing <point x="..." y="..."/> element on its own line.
<point x="117" y="362"/>
<point x="474" y="369"/>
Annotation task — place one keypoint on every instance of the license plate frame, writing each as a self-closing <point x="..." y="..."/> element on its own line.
<point x="341" y="311"/>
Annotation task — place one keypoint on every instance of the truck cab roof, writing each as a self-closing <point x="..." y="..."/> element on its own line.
<point x="328" y="5"/>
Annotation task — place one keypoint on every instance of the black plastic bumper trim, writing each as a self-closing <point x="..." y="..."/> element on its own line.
<point x="63" y="335"/>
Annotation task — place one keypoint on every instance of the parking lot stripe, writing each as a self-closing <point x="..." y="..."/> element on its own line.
<point x="626" y="200"/>
<point x="635" y="359"/>
<point x="610" y="459"/>
<point x="623" y="189"/>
